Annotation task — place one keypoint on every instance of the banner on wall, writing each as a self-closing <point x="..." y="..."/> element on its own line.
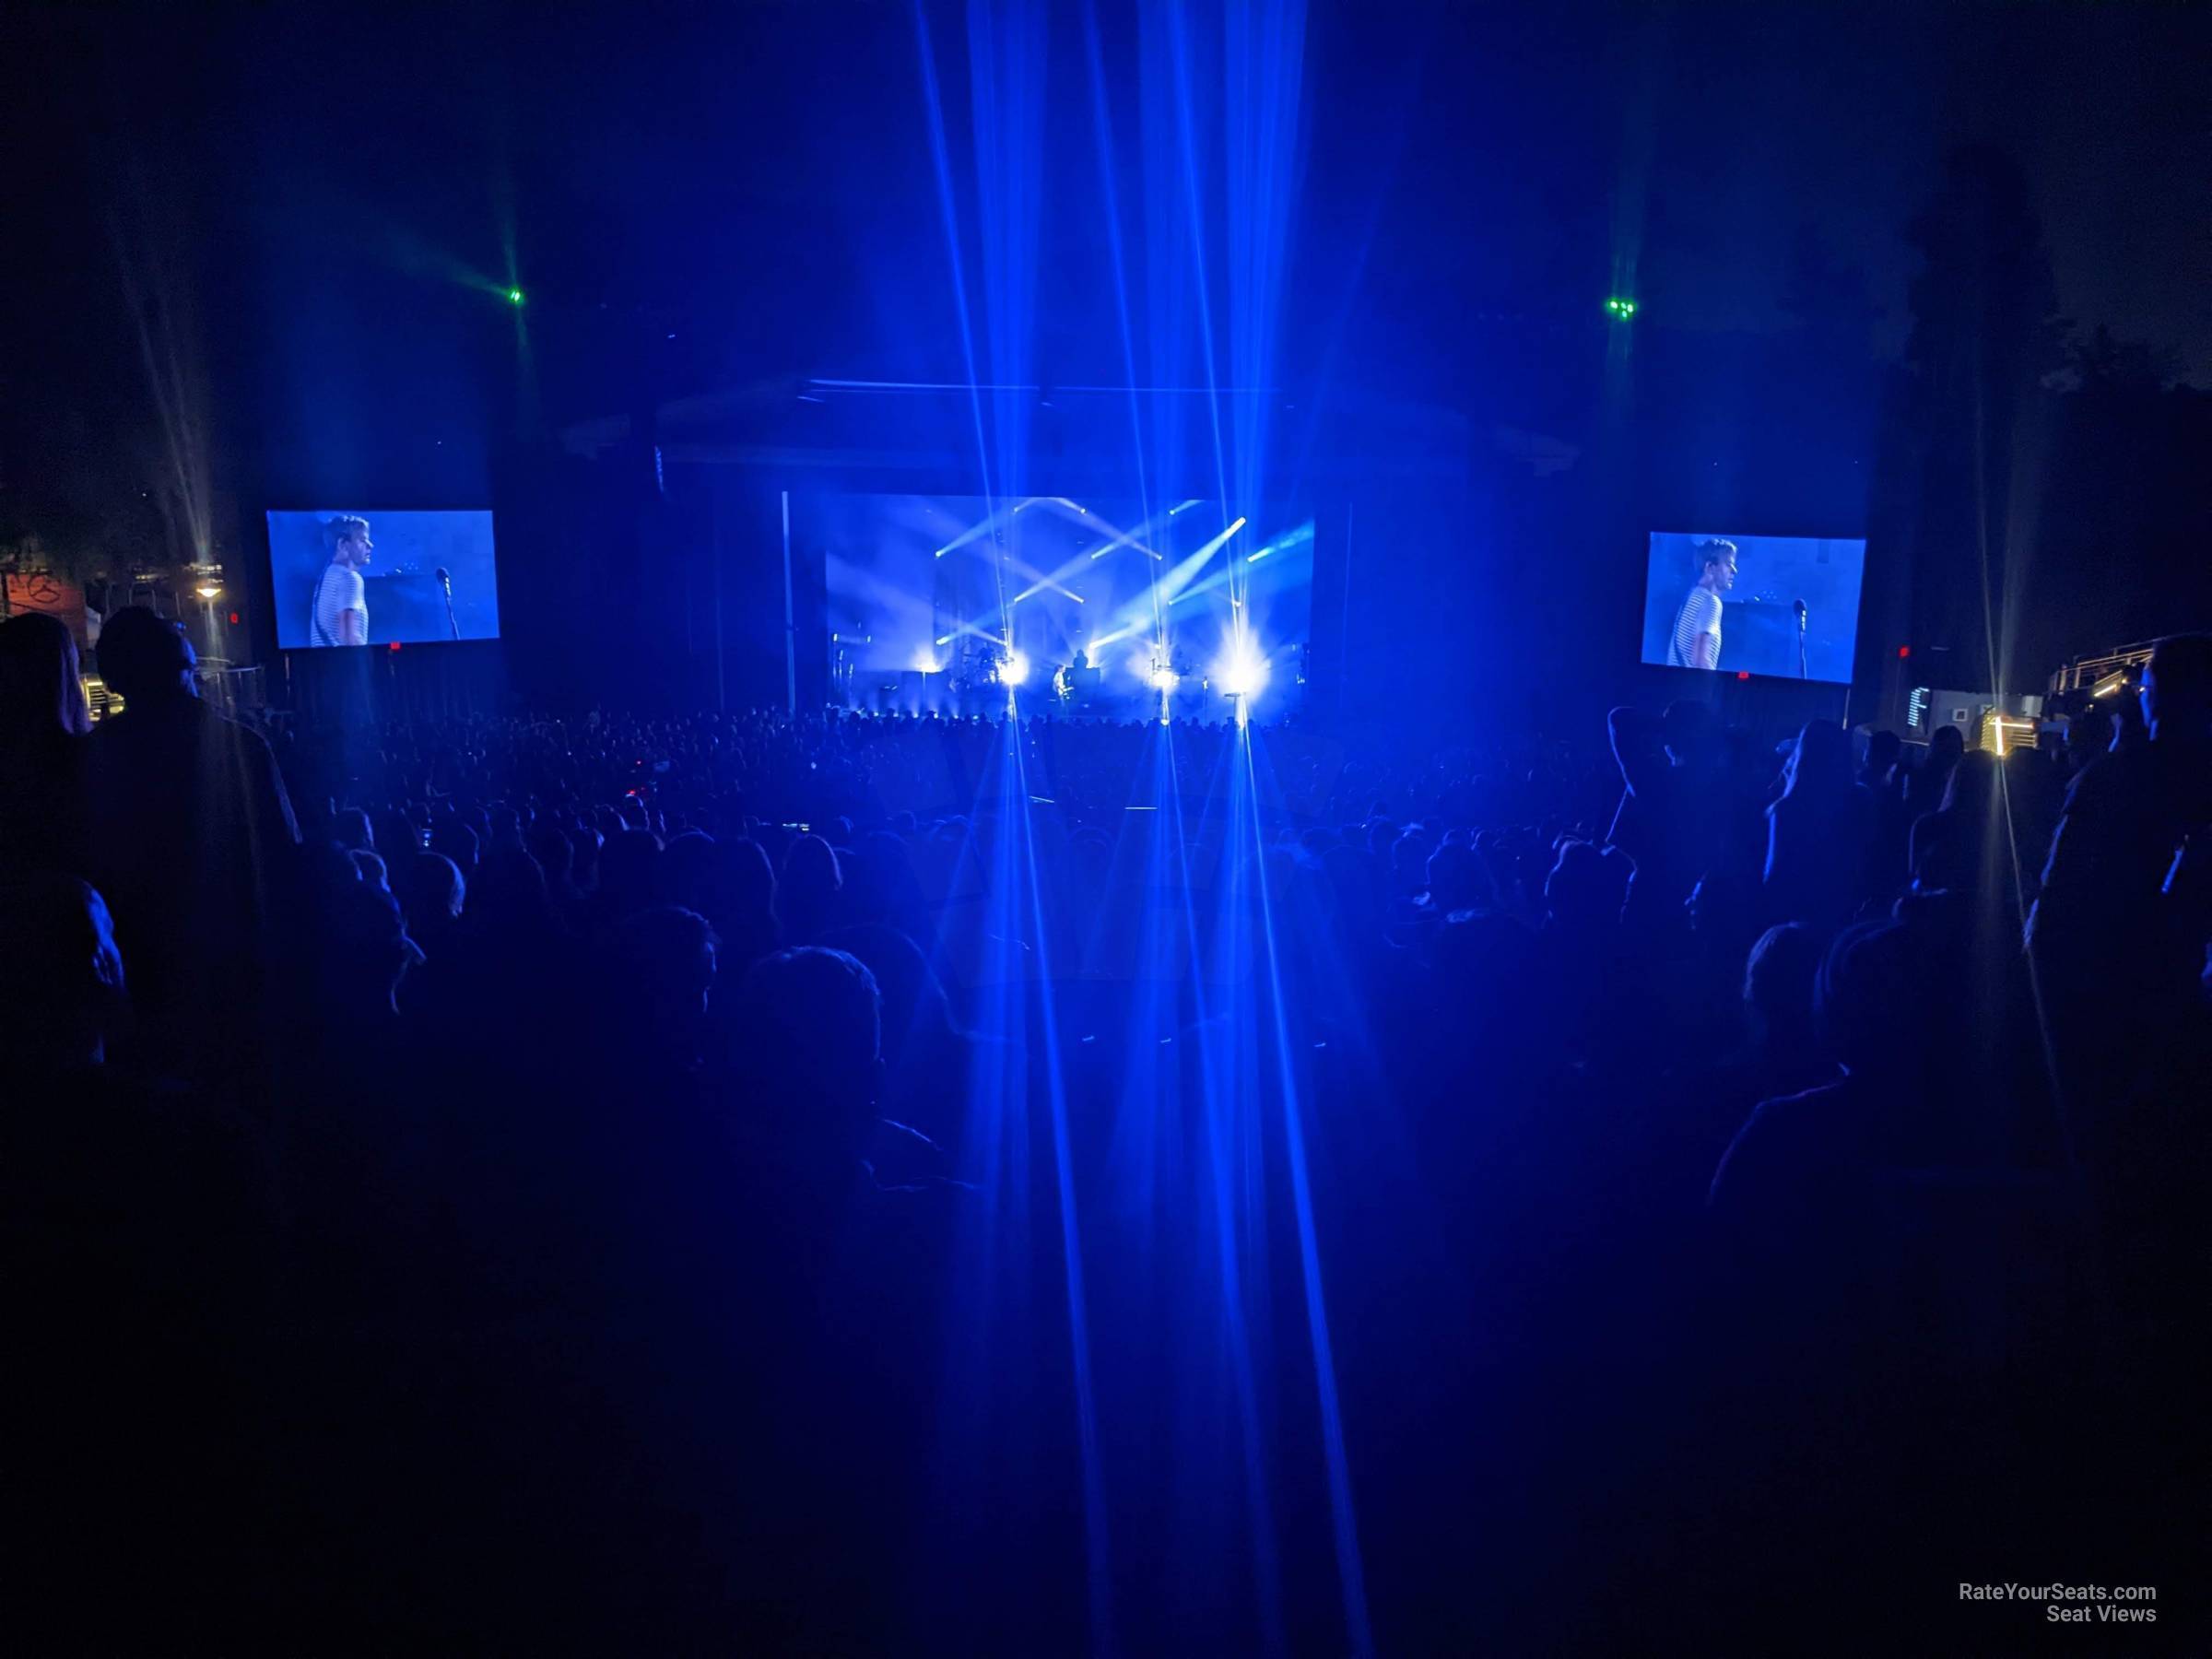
<point x="54" y="596"/>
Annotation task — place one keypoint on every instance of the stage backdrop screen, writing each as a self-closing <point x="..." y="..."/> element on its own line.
<point x="1731" y="602"/>
<point x="1111" y="604"/>
<point x="348" y="576"/>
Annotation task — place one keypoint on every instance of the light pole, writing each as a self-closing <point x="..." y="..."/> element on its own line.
<point x="208" y="583"/>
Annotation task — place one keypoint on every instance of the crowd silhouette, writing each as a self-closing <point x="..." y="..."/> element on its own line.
<point x="518" y="1181"/>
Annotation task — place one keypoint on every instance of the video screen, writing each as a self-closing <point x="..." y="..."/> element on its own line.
<point x="346" y="577"/>
<point x="1083" y="607"/>
<point x="1781" y="604"/>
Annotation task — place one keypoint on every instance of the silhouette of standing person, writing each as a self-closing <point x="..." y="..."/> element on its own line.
<point x="43" y="726"/>
<point x="191" y="829"/>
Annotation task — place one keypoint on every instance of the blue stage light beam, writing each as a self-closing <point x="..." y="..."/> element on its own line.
<point x="1122" y="538"/>
<point x="1235" y="1193"/>
<point x="1006" y="77"/>
<point x="1186" y="125"/>
<point x="1023" y="568"/>
<point x="1219" y="541"/>
<point x="948" y="212"/>
<point x="1071" y="1235"/>
<point x="1175" y="585"/>
<point x="1186" y="570"/>
<point x="1181" y="582"/>
<point x="1037" y="587"/>
<point x="985" y="526"/>
<point x="1297" y="537"/>
<point x="1103" y="128"/>
<point x="1350" y="1568"/>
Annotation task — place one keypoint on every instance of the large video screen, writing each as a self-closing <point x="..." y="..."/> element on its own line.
<point x="343" y="576"/>
<point x="1779" y="604"/>
<point x="1091" y="607"/>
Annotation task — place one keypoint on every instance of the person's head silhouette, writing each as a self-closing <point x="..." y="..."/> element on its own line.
<point x="1777" y="985"/>
<point x="507" y="895"/>
<point x="2177" y="689"/>
<point x="432" y="890"/>
<point x="1882" y="751"/>
<point x="361" y="949"/>
<point x="914" y="1005"/>
<point x="750" y="882"/>
<point x="1587" y="886"/>
<point x="812" y="875"/>
<point x="1821" y="762"/>
<point x="664" y="964"/>
<point x="1456" y="878"/>
<point x="2088" y="734"/>
<point x="457" y="842"/>
<point x="40" y="694"/>
<point x="1686" y="730"/>
<point x="143" y="657"/>
<point x="1869" y="997"/>
<point x="811" y="1021"/>
<point x="1976" y="784"/>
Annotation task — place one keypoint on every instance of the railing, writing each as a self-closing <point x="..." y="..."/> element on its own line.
<point x="239" y="693"/>
<point x="2085" y="672"/>
<point x="236" y="693"/>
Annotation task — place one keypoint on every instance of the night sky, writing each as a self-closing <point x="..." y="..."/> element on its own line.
<point x="310" y="193"/>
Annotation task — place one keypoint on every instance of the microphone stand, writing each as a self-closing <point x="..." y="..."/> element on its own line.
<point x="452" y="622"/>
<point x="1801" y="673"/>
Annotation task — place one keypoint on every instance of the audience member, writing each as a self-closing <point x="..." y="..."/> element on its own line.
<point x="140" y="1259"/>
<point x="730" y="1233"/>
<point x="191" y="833"/>
<point x="810" y="891"/>
<point x="43" y="823"/>
<point x="1823" y="811"/>
<point x="1672" y="818"/>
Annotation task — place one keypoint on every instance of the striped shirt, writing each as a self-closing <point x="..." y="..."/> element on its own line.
<point x="1700" y="614"/>
<point x="341" y="588"/>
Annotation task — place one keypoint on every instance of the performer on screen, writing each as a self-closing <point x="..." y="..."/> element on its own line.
<point x="1696" y="640"/>
<point x="341" y="612"/>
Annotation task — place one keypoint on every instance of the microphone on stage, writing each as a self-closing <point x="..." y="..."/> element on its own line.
<point x="1795" y="604"/>
<point x="445" y="582"/>
<point x="1799" y="606"/>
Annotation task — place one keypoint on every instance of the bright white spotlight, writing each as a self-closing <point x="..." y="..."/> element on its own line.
<point x="1242" y="672"/>
<point x="1162" y="680"/>
<point x="1015" y="669"/>
<point x="925" y="660"/>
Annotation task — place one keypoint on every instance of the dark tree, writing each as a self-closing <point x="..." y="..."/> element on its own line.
<point x="1968" y="417"/>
